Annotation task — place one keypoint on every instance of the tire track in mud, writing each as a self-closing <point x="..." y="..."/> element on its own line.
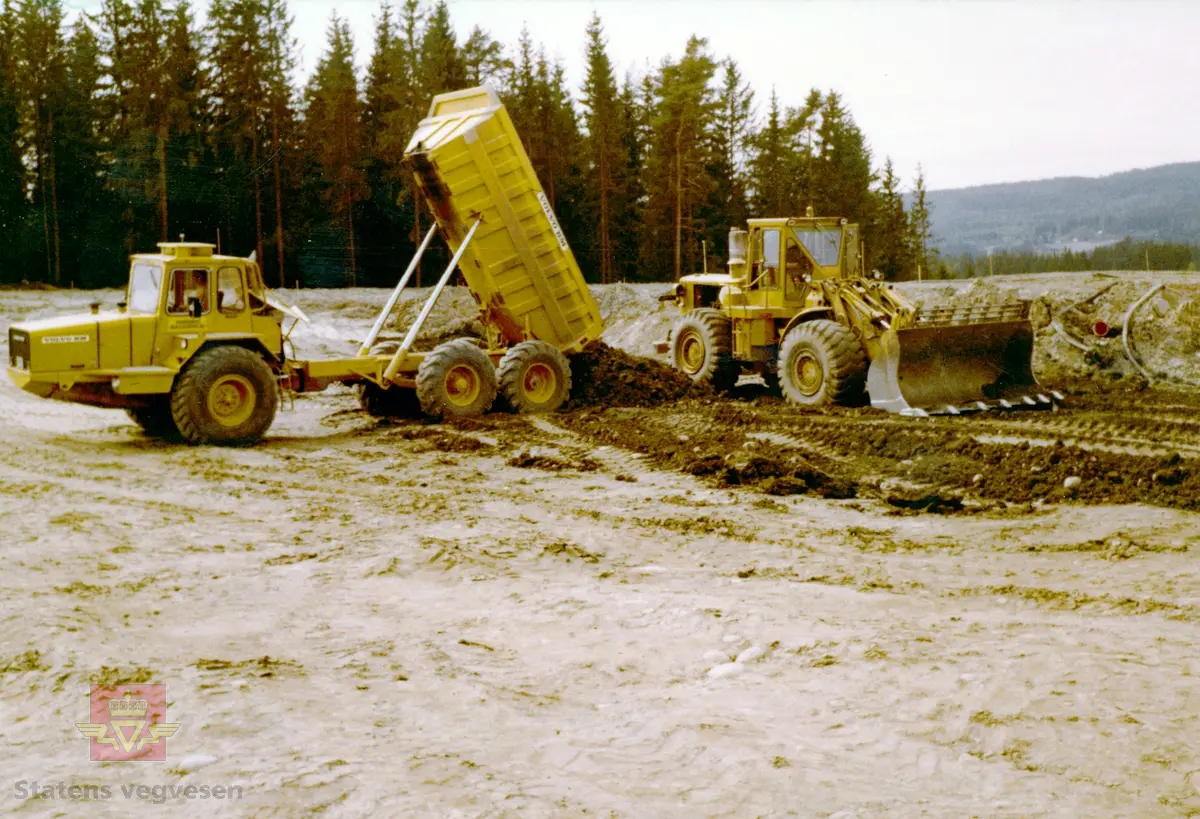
<point x="1120" y="455"/>
<point x="614" y="459"/>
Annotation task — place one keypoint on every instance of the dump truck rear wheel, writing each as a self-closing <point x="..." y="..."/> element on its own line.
<point x="821" y="363"/>
<point x="534" y="377"/>
<point x="225" y="395"/>
<point x="702" y="349"/>
<point x="393" y="402"/>
<point x="155" y="418"/>
<point x="456" y="380"/>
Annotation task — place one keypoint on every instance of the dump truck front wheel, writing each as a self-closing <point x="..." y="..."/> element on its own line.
<point x="393" y="402"/>
<point x="225" y="395"/>
<point x="456" y="380"/>
<point x="534" y="377"/>
<point x="821" y="363"/>
<point x="702" y="349"/>
<point x="155" y="418"/>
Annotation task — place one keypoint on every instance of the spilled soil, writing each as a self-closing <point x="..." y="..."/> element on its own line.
<point x="1101" y="452"/>
<point x="605" y="376"/>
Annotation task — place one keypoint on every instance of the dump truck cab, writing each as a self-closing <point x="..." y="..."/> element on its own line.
<point x="178" y="302"/>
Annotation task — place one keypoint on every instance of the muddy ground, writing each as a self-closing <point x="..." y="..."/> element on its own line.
<point x="540" y="616"/>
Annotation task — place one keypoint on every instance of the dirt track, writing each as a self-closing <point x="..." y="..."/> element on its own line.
<point x="521" y="615"/>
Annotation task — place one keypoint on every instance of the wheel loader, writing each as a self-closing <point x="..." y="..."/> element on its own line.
<point x="197" y="348"/>
<point x="796" y="308"/>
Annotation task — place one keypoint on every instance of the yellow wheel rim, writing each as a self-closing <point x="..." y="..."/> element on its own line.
<point x="540" y="382"/>
<point x="462" y="385"/>
<point x="231" y="400"/>
<point x="809" y="374"/>
<point x="691" y="352"/>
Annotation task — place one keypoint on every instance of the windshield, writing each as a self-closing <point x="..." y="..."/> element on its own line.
<point x="145" y="283"/>
<point x="823" y="244"/>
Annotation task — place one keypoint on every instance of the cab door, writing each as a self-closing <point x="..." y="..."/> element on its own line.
<point x="144" y="300"/>
<point x="230" y="315"/>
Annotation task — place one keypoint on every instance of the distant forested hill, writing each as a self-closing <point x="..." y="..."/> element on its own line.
<point x="1160" y="203"/>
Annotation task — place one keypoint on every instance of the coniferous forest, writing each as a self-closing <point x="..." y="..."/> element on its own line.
<point x="136" y="125"/>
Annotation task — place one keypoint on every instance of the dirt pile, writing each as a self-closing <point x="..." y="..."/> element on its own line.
<point x="603" y="376"/>
<point x="717" y="442"/>
<point x="772" y="471"/>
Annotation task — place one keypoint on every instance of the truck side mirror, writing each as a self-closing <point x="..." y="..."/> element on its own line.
<point x="194" y="307"/>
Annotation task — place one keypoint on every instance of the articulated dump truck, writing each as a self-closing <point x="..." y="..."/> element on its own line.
<point x="197" y="348"/>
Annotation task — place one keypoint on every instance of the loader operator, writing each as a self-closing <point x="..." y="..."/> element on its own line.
<point x="798" y="267"/>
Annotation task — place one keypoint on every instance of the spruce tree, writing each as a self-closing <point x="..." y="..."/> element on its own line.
<point x="334" y="137"/>
<point x="13" y="206"/>
<point x="482" y="58"/>
<point x="681" y="145"/>
<point x="731" y="137"/>
<point x="772" y="165"/>
<point x="920" y="235"/>
<point x="627" y="199"/>
<point x="441" y="63"/>
<point x="887" y="249"/>
<point x="603" y="146"/>
<point x="42" y="78"/>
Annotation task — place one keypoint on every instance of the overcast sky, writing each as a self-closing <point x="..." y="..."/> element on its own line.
<point x="975" y="91"/>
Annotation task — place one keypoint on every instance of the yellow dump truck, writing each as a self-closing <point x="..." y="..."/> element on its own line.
<point x="197" y="348"/>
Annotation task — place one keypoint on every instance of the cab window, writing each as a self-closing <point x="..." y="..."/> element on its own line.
<point x="230" y="298"/>
<point x="185" y="286"/>
<point x="770" y="257"/>
<point x="255" y="285"/>
<point x="797" y="269"/>
<point x="145" y="285"/>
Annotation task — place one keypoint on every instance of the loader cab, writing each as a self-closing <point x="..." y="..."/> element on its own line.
<point x="785" y="255"/>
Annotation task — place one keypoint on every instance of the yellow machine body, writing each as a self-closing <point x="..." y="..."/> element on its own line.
<point x="784" y="272"/>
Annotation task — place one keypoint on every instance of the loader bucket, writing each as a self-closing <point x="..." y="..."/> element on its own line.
<point x="954" y="361"/>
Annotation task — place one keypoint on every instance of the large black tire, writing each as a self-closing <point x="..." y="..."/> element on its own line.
<point x="821" y="363"/>
<point x="393" y="402"/>
<point x="534" y="377"/>
<point x="155" y="418"/>
<point x="456" y="380"/>
<point x="225" y="395"/>
<point x="702" y="349"/>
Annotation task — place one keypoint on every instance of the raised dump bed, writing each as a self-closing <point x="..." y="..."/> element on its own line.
<point x="471" y="165"/>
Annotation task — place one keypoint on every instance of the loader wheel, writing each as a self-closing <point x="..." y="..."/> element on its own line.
<point x="155" y="419"/>
<point x="702" y="349"/>
<point x="534" y="377"/>
<point x="225" y="395"/>
<point x="393" y="402"/>
<point x="821" y="363"/>
<point x="456" y="380"/>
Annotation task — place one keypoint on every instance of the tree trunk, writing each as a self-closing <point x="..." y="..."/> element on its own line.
<point x="350" y="230"/>
<point x="162" y="184"/>
<point x="605" y="239"/>
<point x="417" y="234"/>
<point x="41" y="166"/>
<point x="258" y="228"/>
<point x="278" y="196"/>
<point x="678" y="200"/>
<point x="54" y="205"/>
